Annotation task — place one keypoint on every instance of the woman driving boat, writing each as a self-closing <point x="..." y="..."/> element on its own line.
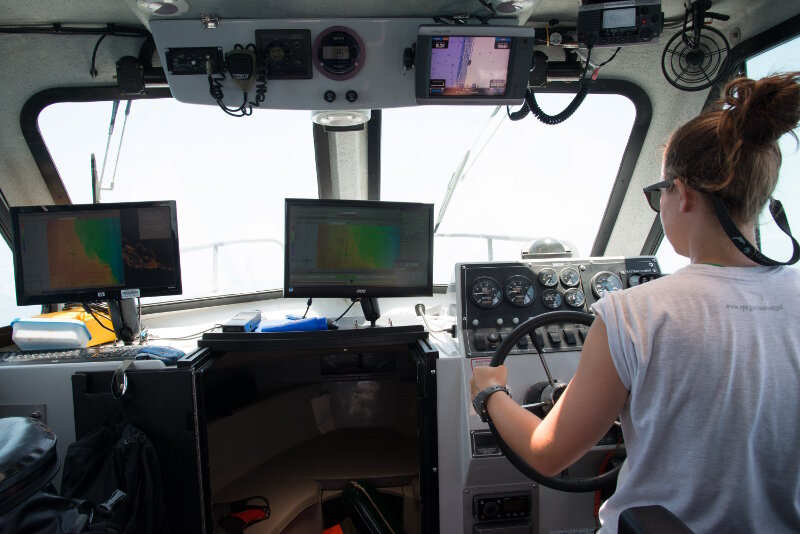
<point x="738" y="469"/>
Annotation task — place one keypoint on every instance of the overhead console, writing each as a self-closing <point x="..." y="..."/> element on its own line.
<point x="342" y="64"/>
<point x="493" y="298"/>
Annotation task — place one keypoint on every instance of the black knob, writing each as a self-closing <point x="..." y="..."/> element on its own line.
<point x="490" y="509"/>
<point x="329" y="96"/>
<point x="276" y="51"/>
<point x="351" y="96"/>
<point x="408" y="58"/>
<point x="494" y="337"/>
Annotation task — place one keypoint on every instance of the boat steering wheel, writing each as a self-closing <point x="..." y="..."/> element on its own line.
<point x="575" y="485"/>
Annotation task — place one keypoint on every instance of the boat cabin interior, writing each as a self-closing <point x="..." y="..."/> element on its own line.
<point x="277" y="237"/>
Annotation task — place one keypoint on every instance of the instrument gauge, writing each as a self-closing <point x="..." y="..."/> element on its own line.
<point x="519" y="291"/>
<point x="605" y="281"/>
<point x="548" y="278"/>
<point x="486" y="293"/>
<point x="574" y="297"/>
<point x="551" y="299"/>
<point x="338" y="53"/>
<point x="570" y="277"/>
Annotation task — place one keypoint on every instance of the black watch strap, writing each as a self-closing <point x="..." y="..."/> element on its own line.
<point x="479" y="402"/>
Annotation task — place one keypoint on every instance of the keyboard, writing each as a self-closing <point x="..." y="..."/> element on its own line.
<point x="88" y="354"/>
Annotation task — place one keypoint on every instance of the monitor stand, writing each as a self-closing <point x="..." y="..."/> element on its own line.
<point x="372" y="312"/>
<point x="124" y="319"/>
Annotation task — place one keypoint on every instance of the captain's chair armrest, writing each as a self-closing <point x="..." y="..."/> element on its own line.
<point x="650" y="520"/>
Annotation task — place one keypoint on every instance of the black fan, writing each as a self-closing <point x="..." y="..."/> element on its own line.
<point x="697" y="56"/>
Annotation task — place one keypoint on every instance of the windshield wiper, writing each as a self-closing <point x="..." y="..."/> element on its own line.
<point x="459" y="172"/>
<point x="119" y="148"/>
<point x="97" y="184"/>
<point x="114" y="110"/>
<point x="451" y="187"/>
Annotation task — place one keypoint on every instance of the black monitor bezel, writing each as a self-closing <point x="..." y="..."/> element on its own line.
<point x="353" y="291"/>
<point x="97" y="294"/>
<point x="519" y="62"/>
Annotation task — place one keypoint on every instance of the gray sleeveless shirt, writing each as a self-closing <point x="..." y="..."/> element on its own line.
<point x="711" y="357"/>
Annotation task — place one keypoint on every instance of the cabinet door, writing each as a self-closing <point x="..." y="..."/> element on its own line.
<point x="425" y="357"/>
<point x="161" y="404"/>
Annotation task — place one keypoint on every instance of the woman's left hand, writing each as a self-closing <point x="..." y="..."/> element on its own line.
<point x="485" y="377"/>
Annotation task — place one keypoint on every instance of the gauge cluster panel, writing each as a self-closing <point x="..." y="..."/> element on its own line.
<point x="493" y="298"/>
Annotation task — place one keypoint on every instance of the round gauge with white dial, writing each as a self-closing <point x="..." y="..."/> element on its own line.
<point x="551" y="299"/>
<point x="486" y="293"/>
<point x="519" y="291"/>
<point x="574" y="297"/>
<point x="605" y="281"/>
<point x="570" y="277"/>
<point x="548" y="278"/>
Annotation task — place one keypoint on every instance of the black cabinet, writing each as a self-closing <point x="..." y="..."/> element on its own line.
<point x="291" y="416"/>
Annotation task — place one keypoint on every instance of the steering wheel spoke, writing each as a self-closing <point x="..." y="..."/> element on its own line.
<point x="537" y="405"/>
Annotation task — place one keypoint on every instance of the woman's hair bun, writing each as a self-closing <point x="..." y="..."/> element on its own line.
<point x="759" y="112"/>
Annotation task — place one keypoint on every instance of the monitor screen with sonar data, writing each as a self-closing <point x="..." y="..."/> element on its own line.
<point x="95" y="252"/>
<point x="348" y="248"/>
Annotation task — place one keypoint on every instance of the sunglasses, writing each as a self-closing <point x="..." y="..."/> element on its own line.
<point x="653" y="194"/>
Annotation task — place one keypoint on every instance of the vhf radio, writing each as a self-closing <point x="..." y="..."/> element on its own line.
<point x="620" y="23"/>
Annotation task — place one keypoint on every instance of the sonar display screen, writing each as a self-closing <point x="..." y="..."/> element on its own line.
<point x="357" y="248"/>
<point x="462" y="66"/>
<point x="72" y="254"/>
<point x="83" y="252"/>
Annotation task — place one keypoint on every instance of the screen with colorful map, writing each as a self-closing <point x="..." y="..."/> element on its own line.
<point x="95" y="252"/>
<point x="80" y="252"/>
<point x="463" y="65"/>
<point x="357" y="248"/>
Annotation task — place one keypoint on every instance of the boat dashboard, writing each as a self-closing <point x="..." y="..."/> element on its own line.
<point x="492" y="300"/>
<point x="388" y="404"/>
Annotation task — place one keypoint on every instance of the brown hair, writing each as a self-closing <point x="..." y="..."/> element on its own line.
<point x="732" y="149"/>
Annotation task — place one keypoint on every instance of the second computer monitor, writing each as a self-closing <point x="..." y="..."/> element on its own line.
<point x="357" y="249"/>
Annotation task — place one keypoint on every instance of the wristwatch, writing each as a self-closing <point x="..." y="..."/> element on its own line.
<point x="479" y="402"/>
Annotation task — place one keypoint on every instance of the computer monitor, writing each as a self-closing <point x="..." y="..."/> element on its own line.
<point x="358" y="249"/>
<point x="473" y="64"/>
<point x="95" y="252"/>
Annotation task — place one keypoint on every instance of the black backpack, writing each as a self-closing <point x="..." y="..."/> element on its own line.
<point x="28" y="502"/>
<point x="118" y="457"/>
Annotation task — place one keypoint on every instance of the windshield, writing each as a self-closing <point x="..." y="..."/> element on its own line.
<point x="508" y="183"/>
